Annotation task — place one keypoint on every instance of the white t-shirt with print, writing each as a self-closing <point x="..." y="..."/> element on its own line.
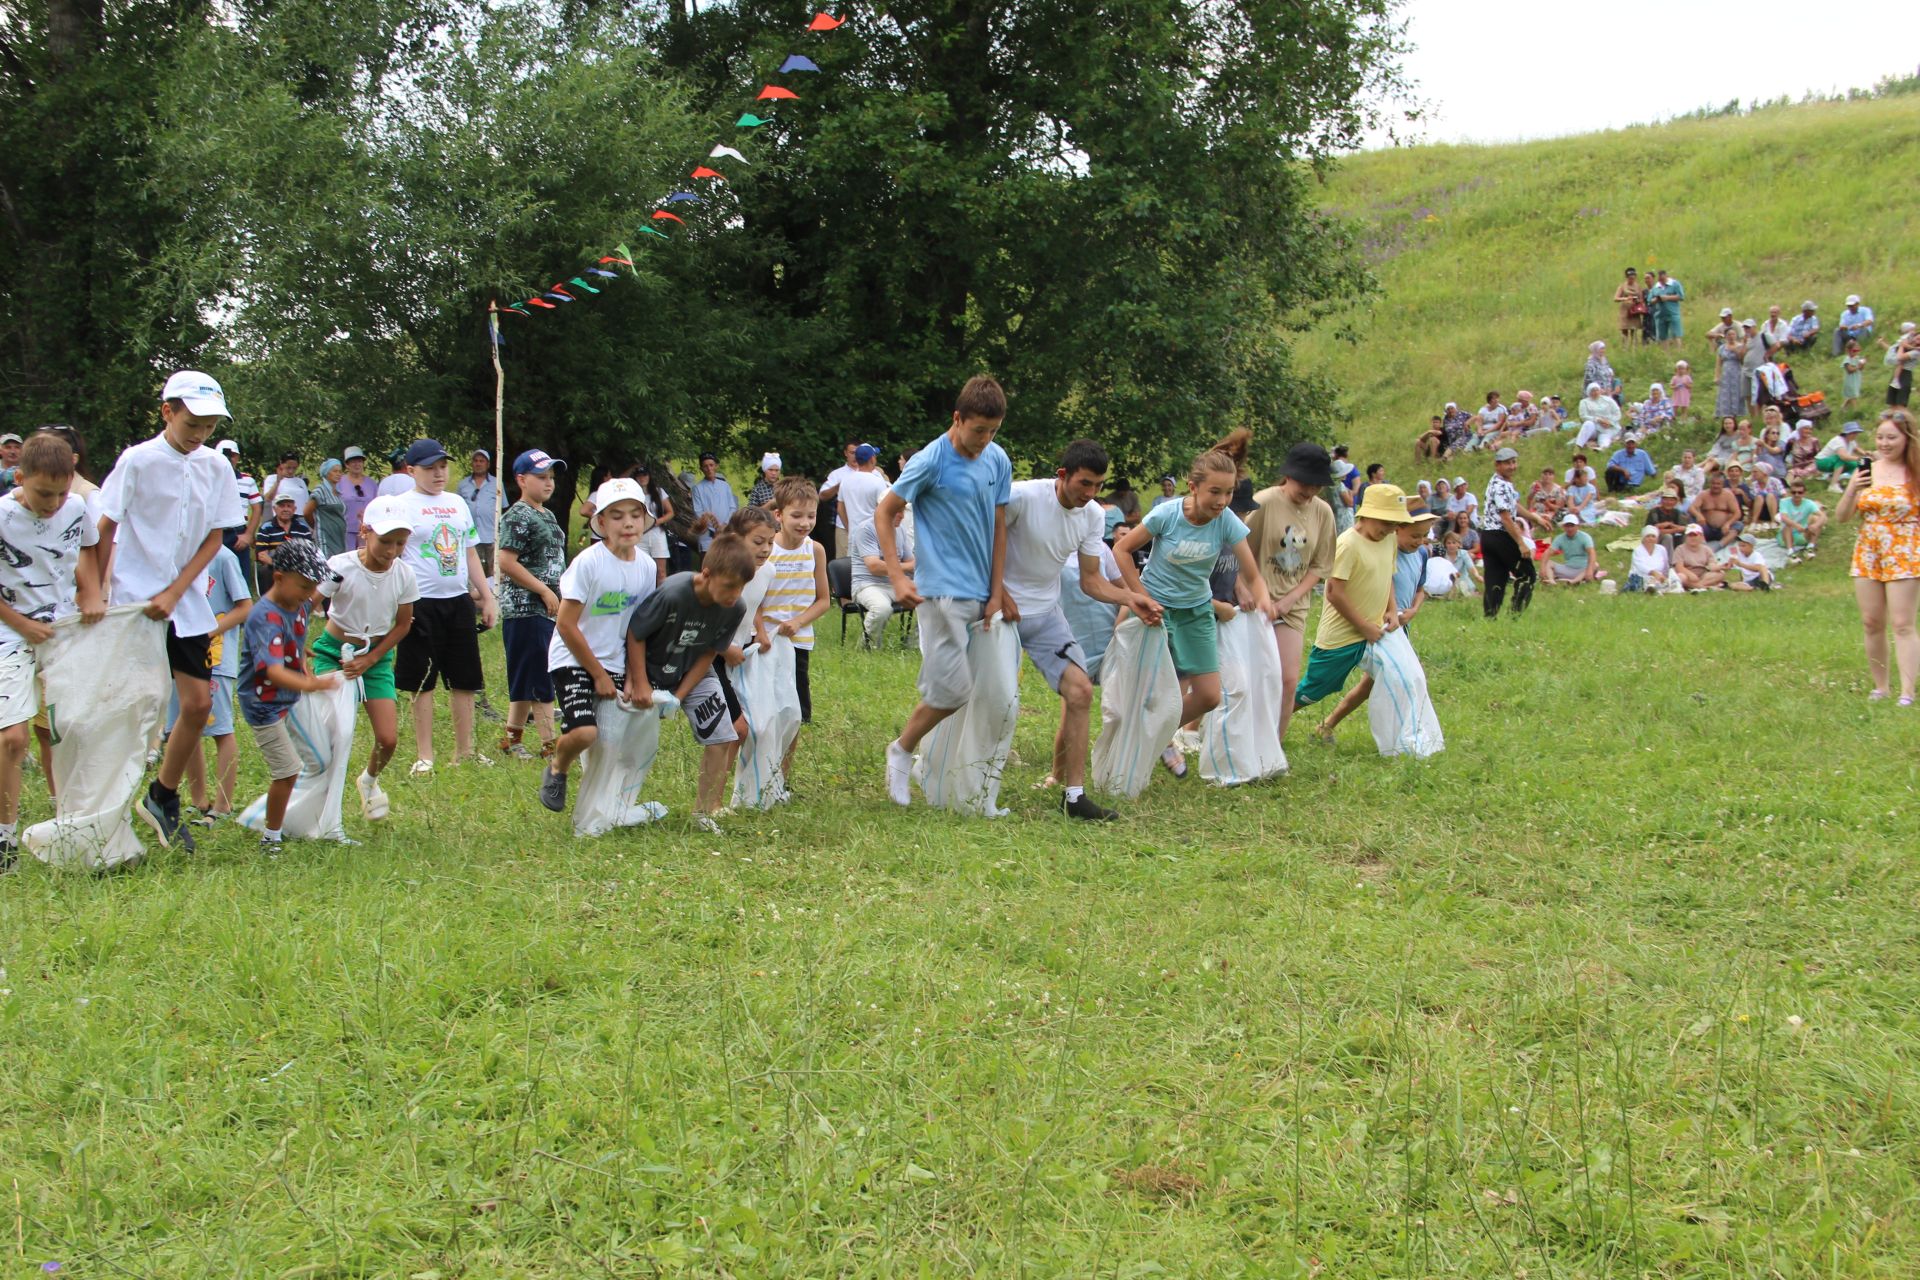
<point x="365" y="603"/>
<point x="166" y="503"/>
<point x="38" y="559"/>
<point x="609" y="589"/>
<point x="1041" y="536"/>
<point x="443" y="533"/>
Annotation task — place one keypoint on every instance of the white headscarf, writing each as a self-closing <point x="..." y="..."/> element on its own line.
<point x="1596" y="347"/>
<point x="1593" y="389"/>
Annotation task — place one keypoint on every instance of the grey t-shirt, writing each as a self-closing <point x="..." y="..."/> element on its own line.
<point x="865" y="542"/>
<point x="677" y="629"/>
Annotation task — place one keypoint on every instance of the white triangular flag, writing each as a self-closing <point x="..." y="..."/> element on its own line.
<point x="727" y="151"/>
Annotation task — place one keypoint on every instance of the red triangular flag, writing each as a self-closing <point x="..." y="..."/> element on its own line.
<point x="824" y="22"/>
<point x="775" y="91"/>
<point x="625" y="262"/>
<point x="704" y="172"/>
<point x="560" y="289"/>
<point x="660" y="214"/>
<point x="548" y="305"/>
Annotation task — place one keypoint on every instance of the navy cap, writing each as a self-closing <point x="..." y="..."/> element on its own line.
<point x="709" y="457"/>
<point x="535" y="462"/>
<point x="865" y="453"/>
<point x="424" y="453"/>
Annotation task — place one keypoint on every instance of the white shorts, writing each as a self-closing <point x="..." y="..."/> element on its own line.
<point x="19" y="686"/>
<point x="653" y="543"/>
<point x="946" y="678"/>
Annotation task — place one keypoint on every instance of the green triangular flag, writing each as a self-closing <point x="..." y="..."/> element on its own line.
<point x="583" y="284"/>
<point x="627" y="253"/>
<point x="751" y="121"/>
<point x="650" y="231"/>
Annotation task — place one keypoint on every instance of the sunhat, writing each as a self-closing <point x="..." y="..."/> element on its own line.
<point x="1385" y="502"/>
<point x="1307" y="463"/>
<point x="620" y="489"/>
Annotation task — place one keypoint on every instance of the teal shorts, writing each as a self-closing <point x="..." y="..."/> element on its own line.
<point x="1327" y="672"/>
<point x="1194" y="638"/>
<point x="376" y="684"/>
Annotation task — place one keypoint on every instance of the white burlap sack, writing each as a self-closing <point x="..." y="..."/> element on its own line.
<point x="1139" y="708"/>
<point x="960" y="762"/>
<point x="770" y="701"/>
<point x="106" y="688"/>
<point x="615" y="767"/>
<point x="1240" y="738"/>
<point x="1400" y="712"/>
<point x="321" y="725"/>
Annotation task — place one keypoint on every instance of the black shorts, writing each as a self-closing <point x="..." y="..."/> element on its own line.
<point x="526" y="641"/>
<point x="802" y="685"/>
<point x="575" y="699"/>
<point x="726" y="687"/>
<point x="191" y="655"/>
<point x="442" y="646"/>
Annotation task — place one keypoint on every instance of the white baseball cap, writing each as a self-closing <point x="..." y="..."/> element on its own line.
<point x="619" y="489"/>
<point x="227" y="446"/>
<point x="1569" y="518"/>
<point x="201" y="394"/>
<point x="1853" y="299"/>
<point x="387" y="515"/>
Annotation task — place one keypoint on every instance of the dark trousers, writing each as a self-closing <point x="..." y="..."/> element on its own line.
<point x="1504" y="559"/>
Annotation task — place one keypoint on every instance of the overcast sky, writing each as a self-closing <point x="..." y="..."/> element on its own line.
<point x="1498" y="70"/>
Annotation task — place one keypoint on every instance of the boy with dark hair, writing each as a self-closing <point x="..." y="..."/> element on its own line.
<point x="674" y="637"/>
<point x="276" y="646"/>
<point x="174" y="496"/>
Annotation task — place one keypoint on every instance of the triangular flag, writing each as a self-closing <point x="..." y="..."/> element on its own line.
<point x="583" y="284"/>
<point x="625" y="262"/>
<point x="683" y="196"/>
<point x="798" y="63"/>
<point x="717" y="152"/>
<point x="661" y="215"/>
<point x="564" y="297"/>
<point x="704" y="172"/>
<point x="625" y="259"/>
<point x="824" y="22"/>
<point x="518" y="308"/>
<point x="652" y="231"/>
<point x="750" y="121"/>
<point x="602" y="271"/>
<point x="561" y="289"/>
<point x="775" y="92"/>
<point x="548" y="305"/>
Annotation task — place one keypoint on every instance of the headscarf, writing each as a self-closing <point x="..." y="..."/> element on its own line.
<point x="1596" y="347"/>
<point x="329" y="465"/>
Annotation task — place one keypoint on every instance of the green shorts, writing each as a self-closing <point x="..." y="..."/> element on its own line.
<point x="375" y="685"/>
<point x="1327" y="671"/>
<point x="1832" y="463"/>
<point x="1194" y="638"/>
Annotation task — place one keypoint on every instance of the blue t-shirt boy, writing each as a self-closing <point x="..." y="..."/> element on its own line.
<point x="276" y="637"/>
<point x="1178" y="573"/>
<point x="953" y="499"/>
<point x="226" y="587"/>
<point x="1409" y="572"/>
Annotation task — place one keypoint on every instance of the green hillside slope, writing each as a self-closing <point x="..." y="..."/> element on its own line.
<point x="1498" y="263"/>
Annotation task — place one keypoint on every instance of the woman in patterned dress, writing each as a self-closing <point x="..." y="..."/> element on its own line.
<point x="1886" y="560"/>
<point x="1730" y="395"/>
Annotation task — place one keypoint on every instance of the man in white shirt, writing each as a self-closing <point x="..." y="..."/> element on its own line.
<point x="443" y="643"/>
<point x="400" y="483"/>
<point x="1774" y="331"/>
<point x="861" y="489"/>
<point x="173" y="496"/>
<point x="238" y="538"/>
<point x="1049" y="521"/>
<point x="830" y="493"/>
<point x="872" y="589"/>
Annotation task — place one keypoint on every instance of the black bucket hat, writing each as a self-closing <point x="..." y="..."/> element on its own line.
<point x="1309" y="464"/>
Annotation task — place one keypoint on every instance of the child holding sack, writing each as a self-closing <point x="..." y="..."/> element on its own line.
<point x="1360" y="605"/>
<point x="276" y="634"/>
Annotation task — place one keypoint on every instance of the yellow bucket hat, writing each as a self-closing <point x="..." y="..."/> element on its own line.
<point x="1385" y="502"/>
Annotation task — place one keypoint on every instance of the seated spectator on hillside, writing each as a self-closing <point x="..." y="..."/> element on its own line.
<point x="1801" y="521"/>
<point x="1462" y="499"/>
<point x="1629" y="467"/>
<point x="1432" y="443"/>
<point x="1598" y="373"/>
<point x="1523" y="416"/>
<point x="1583" y="500"/>
<point x="872" y="587"/>
<point x="1650" y="565"/>
<point x="1774" y="332"/>
<point x="1716" y="512"/>
<point x="1554" y="410"/>
<point x="1573" y="546"/>
<point x="1855" y="324"/>
<point x="1722" y="450"/>
<point x="1452" y="573"/>
<point x="1772" y="449"/>
<point x="1699" y="569"/>
<point x="1463" y="529"/>
<point x="1747" y="443"/>
<point x="1655" y="412"/>
<point x="1804" y="328"/>
<point x="1456" y="428"/>
<point x="1580" y="464"/>
<point x="1802" y="449"/>
<point x="1667" y="518"/>
<point x="1764" y="492"/>
<point x="1490" y="422"/>
<point x="1599" y="419"/>
<point x="1840" y="457"/>
<point x="1745" y="559"/>
<point x="1689" y="475"/>
<point x="1546" y="496"/>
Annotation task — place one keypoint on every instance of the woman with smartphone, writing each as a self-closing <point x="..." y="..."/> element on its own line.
<point x="1885" y="491"/>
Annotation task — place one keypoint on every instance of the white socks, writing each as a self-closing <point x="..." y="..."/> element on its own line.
<point x="1074" y="793"/>
<point x="899" y="773"/>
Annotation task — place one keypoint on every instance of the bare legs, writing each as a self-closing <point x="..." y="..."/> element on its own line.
<point x="1883" y="604"/>
<point x="1292" y="642"/>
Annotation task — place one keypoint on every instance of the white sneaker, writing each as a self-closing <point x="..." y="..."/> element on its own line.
<point x="373" y="801"/>
<point x="476" y="758"/>
<point x="707" y="823"/>
<point x="899" y="774"/>
<point x="421" y="769"/>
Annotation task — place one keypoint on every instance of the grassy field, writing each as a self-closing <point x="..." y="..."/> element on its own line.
<point x="1627" y="982"/>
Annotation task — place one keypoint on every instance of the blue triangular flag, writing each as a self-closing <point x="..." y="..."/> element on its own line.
<point x="598" y="271"/>
<point x="797" y="63"/>
<point x="680" y="196"/>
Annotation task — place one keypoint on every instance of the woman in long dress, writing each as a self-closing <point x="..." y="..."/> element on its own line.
<point x="1730" y="395"/>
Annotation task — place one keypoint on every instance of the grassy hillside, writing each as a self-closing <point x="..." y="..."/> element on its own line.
<point x="1499" y="263"/>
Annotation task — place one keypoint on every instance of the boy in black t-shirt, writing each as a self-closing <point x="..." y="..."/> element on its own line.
<point x="674" y="637"/>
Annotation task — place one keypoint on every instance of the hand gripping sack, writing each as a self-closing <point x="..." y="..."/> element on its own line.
<point x="961" y="761"/>
<point x="770" y="701"/>
<point x="615" y="767"/>
<point x="1399" y="712"/>
<point x="1139" y="708"/>
<point x="321" y="726"/>
<point x="106" y="689"/>
<point x="1240" y="738"/>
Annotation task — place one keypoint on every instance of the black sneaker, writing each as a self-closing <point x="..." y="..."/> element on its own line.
<point x="1085" y="809"/>
<point x="553" y="790"/>
<point x="165" y="820"/>
<point x="9" y="856"/>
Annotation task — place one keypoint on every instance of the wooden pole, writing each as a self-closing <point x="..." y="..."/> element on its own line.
<point x="499" y="438"/>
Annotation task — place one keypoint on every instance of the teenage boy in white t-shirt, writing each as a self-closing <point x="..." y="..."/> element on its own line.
<point x="173" y="496"/>
<point x="588" y="653"/>
<point x="373" y="597"/>
<point x="860" y="491"/>
<point x="1049" y="521"/>
<point x="50" y="570"/>
<point x="443" y="643"/>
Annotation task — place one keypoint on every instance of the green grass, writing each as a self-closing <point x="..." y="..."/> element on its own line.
<point x="1624" y="983"/>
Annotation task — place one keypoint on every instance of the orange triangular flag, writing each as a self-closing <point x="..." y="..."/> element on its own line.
<point x="704" y="172"/>
<point x="775" y="91"/>
<point x="663" y="214"/>
<point x="824" y="22"/>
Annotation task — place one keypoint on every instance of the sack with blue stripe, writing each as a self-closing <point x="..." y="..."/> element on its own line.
<point x="1400" y="712"/>
<point x="1139" y="708"/>
<point x="1240" y="738"/>
<point x="321" y="726"/>
<point x="961" y="761"/>
<point x="770" y="701"/>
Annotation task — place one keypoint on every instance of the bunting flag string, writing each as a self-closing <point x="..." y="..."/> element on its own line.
<point x="623" y="256"/>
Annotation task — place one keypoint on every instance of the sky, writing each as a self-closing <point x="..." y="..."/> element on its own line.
<point x="1501" y="70"/>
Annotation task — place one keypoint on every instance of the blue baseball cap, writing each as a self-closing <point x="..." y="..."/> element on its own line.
<point x="424" y="453"/>
<point x="865" y="453"/>
<point x="535" y="462"/>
